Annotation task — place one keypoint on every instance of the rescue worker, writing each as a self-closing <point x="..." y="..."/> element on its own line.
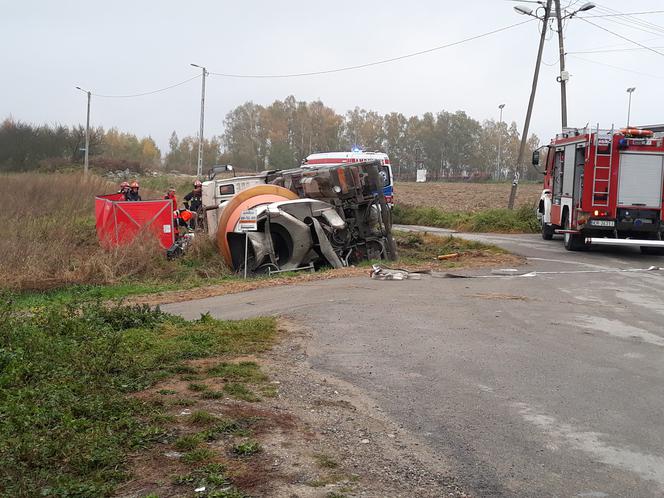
<point x="171" y="195"/>
<point x="193" y="201"/>
<point x="124" y="189"/>
<point x="133" y="194"/>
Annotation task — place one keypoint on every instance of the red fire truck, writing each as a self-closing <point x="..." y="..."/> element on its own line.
<point x="603" y="187"/>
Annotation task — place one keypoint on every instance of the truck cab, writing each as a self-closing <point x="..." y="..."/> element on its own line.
<point x="603" y="187"/>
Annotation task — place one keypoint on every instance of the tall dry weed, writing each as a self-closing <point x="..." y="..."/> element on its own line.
<point x="48" y="238"/>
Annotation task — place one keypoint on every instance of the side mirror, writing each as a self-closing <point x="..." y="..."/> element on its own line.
<point x="536" y="157"/>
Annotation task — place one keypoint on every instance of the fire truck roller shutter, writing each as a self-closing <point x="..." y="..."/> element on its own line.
<point x="640" y="182"/>
<point x="247" y="199"/>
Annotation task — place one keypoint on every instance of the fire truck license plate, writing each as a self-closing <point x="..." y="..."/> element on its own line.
<point x="603" y="223"/>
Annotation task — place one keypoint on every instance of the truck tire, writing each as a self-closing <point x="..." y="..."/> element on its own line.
<point x="573" y="242"/>
<point x="547" y="231"/>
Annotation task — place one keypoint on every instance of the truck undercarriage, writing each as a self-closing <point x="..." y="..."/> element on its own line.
<point x="332" y="215"/>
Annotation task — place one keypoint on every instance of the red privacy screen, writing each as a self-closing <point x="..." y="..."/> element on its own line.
<point x="119" y="222"/>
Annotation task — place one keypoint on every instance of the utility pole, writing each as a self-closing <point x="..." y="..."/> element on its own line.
<point x="500" y="138"/>
<point x="199" y="167"/>
<point x="87" y="133"/>
<point x="564" y="76"/>
<point x="630" y="90"/>
<point x="533" y="91"/>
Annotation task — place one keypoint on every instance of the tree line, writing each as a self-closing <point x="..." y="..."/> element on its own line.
<point x="26" y="147"/>
<point x="449" y="145"/>
<point x="446" y="144"/>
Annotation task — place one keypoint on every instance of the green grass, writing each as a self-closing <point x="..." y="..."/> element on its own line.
<point x="240" y="391"/>
<point x="247" y="448"/>
<point x="522" y="220"/>
<point x="67" y="423"/>
<point x="247" y="371"/>
<point x="238" y="427"/>
<point x="188" y="442"/>
<point x="75" y="293"/>
<point x="213" y="477"/>
<point x="199" y="455"/>
<point x="201" y="417"/>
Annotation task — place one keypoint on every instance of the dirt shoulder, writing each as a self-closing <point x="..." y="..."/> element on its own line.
<point x="372" y="455"/>
<point x="314" y="436"/>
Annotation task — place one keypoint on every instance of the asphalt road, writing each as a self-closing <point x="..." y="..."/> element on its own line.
<point x="549" y="384"/>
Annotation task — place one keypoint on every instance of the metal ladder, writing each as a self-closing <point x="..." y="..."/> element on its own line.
<point x="604" y="194"/>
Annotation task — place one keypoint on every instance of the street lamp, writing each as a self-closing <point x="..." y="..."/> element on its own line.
<point x="630" y="90"/>
<point x="531" y="101"/>
<point x="199" y="167"/>
<point x="87" y="132"/>
<point x="564" y="75"/>
<point x="563" y="78"/>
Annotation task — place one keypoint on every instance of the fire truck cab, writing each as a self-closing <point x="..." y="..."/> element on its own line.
<point x="603" y="187"/>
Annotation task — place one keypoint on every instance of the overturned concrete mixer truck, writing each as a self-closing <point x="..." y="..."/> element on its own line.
<point x="332" y="215"/>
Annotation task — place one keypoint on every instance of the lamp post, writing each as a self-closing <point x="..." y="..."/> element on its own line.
<point x="500" y="137"/>
<point x="630" y="90"/>
<point x="563" y="78"/>
<point x="87" y="132"/>
<point x="199" y="167"/>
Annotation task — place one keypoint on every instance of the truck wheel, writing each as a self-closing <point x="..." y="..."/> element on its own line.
<point x="573" y="242"/>
<point x="547" y="231"/>
<point x="652" y="251"/>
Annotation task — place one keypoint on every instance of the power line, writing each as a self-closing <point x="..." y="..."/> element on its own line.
<point x="618" y="46"/>
<point x="621" y="14"/>
<point x="609" y="50"/>
<point x="629" y="22"/>
<point x="621" y="36"/>
<point x="374" y="63"/>
<point x="629" y="18"/>
<point x="617" y="67"/>
<point x="147" y="93"/>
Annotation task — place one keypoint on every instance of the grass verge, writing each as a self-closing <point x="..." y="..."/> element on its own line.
<point x="416" y="247"/>
<point x="68" y="419"/>
<point x="521" y="220"/>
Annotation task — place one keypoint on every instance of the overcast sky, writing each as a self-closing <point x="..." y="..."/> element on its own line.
<point x="124" y="47"/>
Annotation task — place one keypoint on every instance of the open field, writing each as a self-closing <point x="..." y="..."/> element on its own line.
<point x="464" y="197"/>
<point x="49" y="243"/>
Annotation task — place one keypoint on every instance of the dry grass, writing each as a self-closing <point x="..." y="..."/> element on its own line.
<point x="464" y="197"/>
<point x="48" y="238"/>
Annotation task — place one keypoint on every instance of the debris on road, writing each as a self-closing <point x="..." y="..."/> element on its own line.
<point x="383" y="273"/>
<point x="448" y="256"/>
